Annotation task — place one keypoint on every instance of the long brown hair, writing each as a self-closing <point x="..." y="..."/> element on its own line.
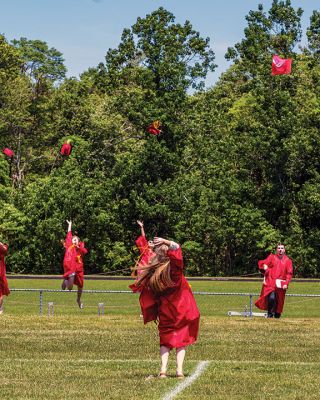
<point x="157" y="271"/>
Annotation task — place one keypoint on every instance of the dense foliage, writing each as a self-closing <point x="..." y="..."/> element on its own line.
<point x="235" y="170"/>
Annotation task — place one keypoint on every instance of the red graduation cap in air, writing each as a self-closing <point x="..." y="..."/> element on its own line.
<point x="66" y="148"/>
<point x="281" y="66"/>
<point x="154" y="128"/>
<point x="8" y="152"/>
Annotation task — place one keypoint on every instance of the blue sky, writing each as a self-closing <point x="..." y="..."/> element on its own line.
<point x="83" y="30"/>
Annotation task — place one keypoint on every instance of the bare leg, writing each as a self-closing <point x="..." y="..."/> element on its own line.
<point x="69" y="282"/>
<point x="180" y="354"/>
<point x="63" y="284"/>
<point x="164" y="354"/>
<point x="1" y="304"/>
<point x="79" y="297"/>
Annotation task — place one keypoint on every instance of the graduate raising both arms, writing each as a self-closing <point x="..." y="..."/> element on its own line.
<point x="73" y="263"/>
<point x="145" y="248"/>
<point x="166" y="297"/>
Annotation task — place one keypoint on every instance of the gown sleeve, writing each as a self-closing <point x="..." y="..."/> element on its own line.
<point x="176" y="257"/>
<point x="142" y="244"/>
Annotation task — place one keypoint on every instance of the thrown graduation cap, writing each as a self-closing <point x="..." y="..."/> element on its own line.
<point x="154" y="128"/>
<point x="66" y="148"/>
<point x="281" y="66"/>
<point x="8" y="152"/>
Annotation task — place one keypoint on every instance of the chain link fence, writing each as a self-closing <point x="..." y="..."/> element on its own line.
<point x="124" y="302"/>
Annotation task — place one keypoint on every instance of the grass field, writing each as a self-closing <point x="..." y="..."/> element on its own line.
<point x="76" y="354"/>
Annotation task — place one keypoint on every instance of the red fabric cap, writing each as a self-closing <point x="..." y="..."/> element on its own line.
<point x="66" y="149"/>
<point x="153" y="131"/>
<point x="154" y="128"/>
<point x="281" y="66"/>
<point x="8" y="152"/>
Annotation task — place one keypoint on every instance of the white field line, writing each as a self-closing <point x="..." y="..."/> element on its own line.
<point x="187" y="381"/>
<point x="128" y="360"/>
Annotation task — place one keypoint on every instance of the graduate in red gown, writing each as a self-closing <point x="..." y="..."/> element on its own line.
<point x="73" y="263"/>
<point x="145" y="248"/>
<point x="4" y="289"/>
<point x="166" y="297"/>
<point x="278" y="271"/>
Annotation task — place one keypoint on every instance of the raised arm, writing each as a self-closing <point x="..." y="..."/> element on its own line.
<point x="159" y="241"/>
<point x="68" y="241"/>
<point x="142" y="242"/>
<point x="140" y="223"/>
<point x="69" y="225"/>
<point x="174" y="250"/>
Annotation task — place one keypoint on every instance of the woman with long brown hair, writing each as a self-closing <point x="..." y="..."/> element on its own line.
<point x="166" y="297"/>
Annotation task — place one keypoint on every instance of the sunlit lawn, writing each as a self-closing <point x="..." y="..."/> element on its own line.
<point x="76" y="354"/>
<point x="127" y="303"/>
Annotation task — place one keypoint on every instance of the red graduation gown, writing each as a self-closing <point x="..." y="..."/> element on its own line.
<point x="175" y="308"/>
<point x="145" y="252"/>
<point x="278" y="268"/>
<point x="4" y="288"/>
<point x="73" y="260"/>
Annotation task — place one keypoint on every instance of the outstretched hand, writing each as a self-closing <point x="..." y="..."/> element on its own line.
<point x="159" y="241"/>
<point x="140" y="223"/>
<point x="69" y="224"/>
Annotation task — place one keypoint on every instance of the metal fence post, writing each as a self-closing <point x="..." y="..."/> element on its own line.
<point x="41" y="298"/>
<point x="50" y="308"/>
<point x="250" y="310"/>
<point x="100" y="308"/>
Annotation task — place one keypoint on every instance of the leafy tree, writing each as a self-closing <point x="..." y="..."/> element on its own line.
<point x="313" y="34"/>
<point x="40" y="61"/>
<point x="274" y="33"/>
<point x="9" y="60"/>
<point x="175" y="55"/>
<point x="235" y="170"/>
<point x="153" y="67"/>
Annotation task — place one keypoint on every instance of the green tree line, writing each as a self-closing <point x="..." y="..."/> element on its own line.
<point x="235" y="170"/>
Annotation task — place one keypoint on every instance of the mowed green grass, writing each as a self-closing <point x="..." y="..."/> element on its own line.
<point x="76" y="354"/>
<point x="127" y="303"/>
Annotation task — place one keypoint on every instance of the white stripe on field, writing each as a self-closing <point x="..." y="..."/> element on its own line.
<point x="187" y="381"/>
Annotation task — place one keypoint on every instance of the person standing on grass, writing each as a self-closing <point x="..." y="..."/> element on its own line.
<point x="166" y="297"/>
<point x="278" y="271"/>
<point x="4" y="288"/>
<point x="73" y="263"/>
<point x="146" y="250"/>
